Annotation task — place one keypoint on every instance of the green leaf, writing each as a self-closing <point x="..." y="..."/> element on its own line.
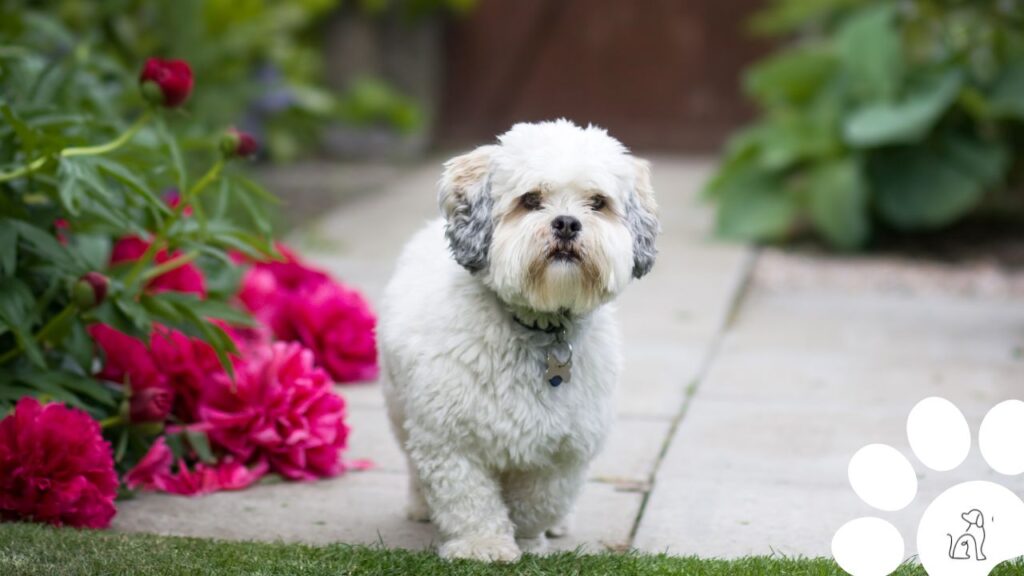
<point x="205" y="308"/>
<point x="82" y="386"/>
<point x="200" y="442"/>
<point x="79" y="347"/>
<point x="94" y="249"/>
<point x="8" y="249"/>
<point x="929" y="187"/>
<point x="1006" y="99"/>
<point x="123" y="175"/>
<point x="871" y="48"/>
<point x="838" y="200"/>
<point x="213" y="335"/>
<point x="21" y="128"/>
<point x="17" y="311"/>
<point x="986" y="161"/>
<point x="177" y="160"/>
<point x="48" y="384"/>
<point x="256" y="214"/>
<point x="791" y="77"/>
<point x="755" y="206"/>
<point x="139" y="324"/>
<point x="43" y="244"/>
<point x="907" y="121"/>
<point x="792" y="137"/>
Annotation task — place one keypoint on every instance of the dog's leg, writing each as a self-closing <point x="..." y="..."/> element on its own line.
<point x="540" y="501"/>
<point x="467" y="507"/>
<point x="562" y="527"/>
<point x="416" y="508"/>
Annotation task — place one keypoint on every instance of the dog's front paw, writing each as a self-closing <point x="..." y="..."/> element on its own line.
<point x="562" y="528"/>
<point x="538" y="545"/>
<point x="486" y="548"/>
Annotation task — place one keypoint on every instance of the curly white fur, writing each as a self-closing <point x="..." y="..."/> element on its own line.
<point x="497" y="453"/>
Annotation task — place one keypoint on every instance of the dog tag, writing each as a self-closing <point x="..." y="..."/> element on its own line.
<point x="559" y="364"/>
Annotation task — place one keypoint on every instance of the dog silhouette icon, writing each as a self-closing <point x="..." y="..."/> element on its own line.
<point x="971" y="543"/>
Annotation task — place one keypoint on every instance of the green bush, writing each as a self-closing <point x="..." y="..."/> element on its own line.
<point x="881" y="115"/>
<point x="259" y="60"/>
<point x="85" y="162"/>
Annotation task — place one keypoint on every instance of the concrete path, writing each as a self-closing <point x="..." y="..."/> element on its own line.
<point x="750" y="380"/>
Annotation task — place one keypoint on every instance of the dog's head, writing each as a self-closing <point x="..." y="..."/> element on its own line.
<point x="974" y="517"/>
<point x="552" y="218"/>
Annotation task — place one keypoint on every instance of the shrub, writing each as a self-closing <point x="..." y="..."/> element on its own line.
<point x="122" y="246"/>
<point x="881" y="115"/>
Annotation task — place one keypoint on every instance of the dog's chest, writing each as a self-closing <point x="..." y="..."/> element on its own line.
<point x="542" y="424"/>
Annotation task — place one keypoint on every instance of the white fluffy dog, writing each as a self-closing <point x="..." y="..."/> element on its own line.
<point x="501" y="347"/>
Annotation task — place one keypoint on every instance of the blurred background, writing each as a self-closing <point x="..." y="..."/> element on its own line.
<point x="849" y="123"/>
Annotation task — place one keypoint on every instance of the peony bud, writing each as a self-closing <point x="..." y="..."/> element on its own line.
<point x="237" y="144"/>
<point x="166" y="82"/>
<point x="90" y="290"/>
<point x="151" y="403"/>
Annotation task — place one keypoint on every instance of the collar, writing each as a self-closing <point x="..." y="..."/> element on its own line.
<point x="546" y="322"/>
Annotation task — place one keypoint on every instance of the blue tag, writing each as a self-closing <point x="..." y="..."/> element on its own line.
<point x="555" y="381"/>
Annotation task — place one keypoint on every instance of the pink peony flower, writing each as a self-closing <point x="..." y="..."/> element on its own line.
<point x="337" y="324"/>
<point x="169" y="374"/>
<point x="301" y="303"/>
<point x="55" y="467"/>
<point x="153" y="472"/>
<point x="129" y="362"/>
<point x="189" y="364"/>
<point x="268" y="287"/>
<point x="186" y="278"/>
<point x="280" y="410"/>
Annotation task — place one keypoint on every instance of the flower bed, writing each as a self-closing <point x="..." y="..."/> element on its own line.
<point x="152" y="335"/>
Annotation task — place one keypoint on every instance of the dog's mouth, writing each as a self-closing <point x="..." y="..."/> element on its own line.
<point x="564" y="253"/>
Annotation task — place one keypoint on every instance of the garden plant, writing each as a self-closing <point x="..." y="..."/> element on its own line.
<point x="880" y="115"/>
<point x="152" y="334"/>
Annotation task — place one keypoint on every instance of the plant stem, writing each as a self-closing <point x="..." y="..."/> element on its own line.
<point x="27" y="169"/>
<point x="81" y="150"/>
<point x="111" y="421"/>
<point x="43" y="333"/>
<point x="203" y="182"/>
<point x="171" y="264"/>
<point x="113" y="144"/>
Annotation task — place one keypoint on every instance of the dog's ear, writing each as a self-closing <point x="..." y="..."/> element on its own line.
<point x="642" y="218"/>
<point x="466" y="202"/>
<point x="979" y="519"/>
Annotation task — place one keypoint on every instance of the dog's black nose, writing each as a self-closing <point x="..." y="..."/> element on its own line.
<point x="566" y="227"/>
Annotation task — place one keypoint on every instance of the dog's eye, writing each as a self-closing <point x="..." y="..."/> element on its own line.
<point x="530" y="200"/>
<point x="598" y="202"/>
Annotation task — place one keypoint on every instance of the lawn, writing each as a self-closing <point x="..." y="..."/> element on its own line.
<point x="38" y="550"/>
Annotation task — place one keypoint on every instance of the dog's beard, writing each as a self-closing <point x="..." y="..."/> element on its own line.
<point x="564" y="277"/>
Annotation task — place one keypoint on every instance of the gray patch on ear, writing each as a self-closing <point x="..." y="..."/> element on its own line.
<point x="644" y="227"/>
<point x="469" y="229"/>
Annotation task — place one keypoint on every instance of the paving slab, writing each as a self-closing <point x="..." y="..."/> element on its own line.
<point x="812" y="369"/>
<point x="358" y="508"/>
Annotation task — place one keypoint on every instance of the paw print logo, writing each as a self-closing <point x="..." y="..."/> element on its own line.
<point x="969" y="528"/>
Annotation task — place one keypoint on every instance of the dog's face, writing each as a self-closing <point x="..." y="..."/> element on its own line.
<point x="553" y="218"/>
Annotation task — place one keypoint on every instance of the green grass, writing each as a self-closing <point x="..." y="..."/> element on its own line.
<point x="31" y="549"/>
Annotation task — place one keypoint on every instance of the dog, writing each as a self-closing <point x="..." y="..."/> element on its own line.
<point x="498" y="334"/>
<point x="971" y="543"/>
